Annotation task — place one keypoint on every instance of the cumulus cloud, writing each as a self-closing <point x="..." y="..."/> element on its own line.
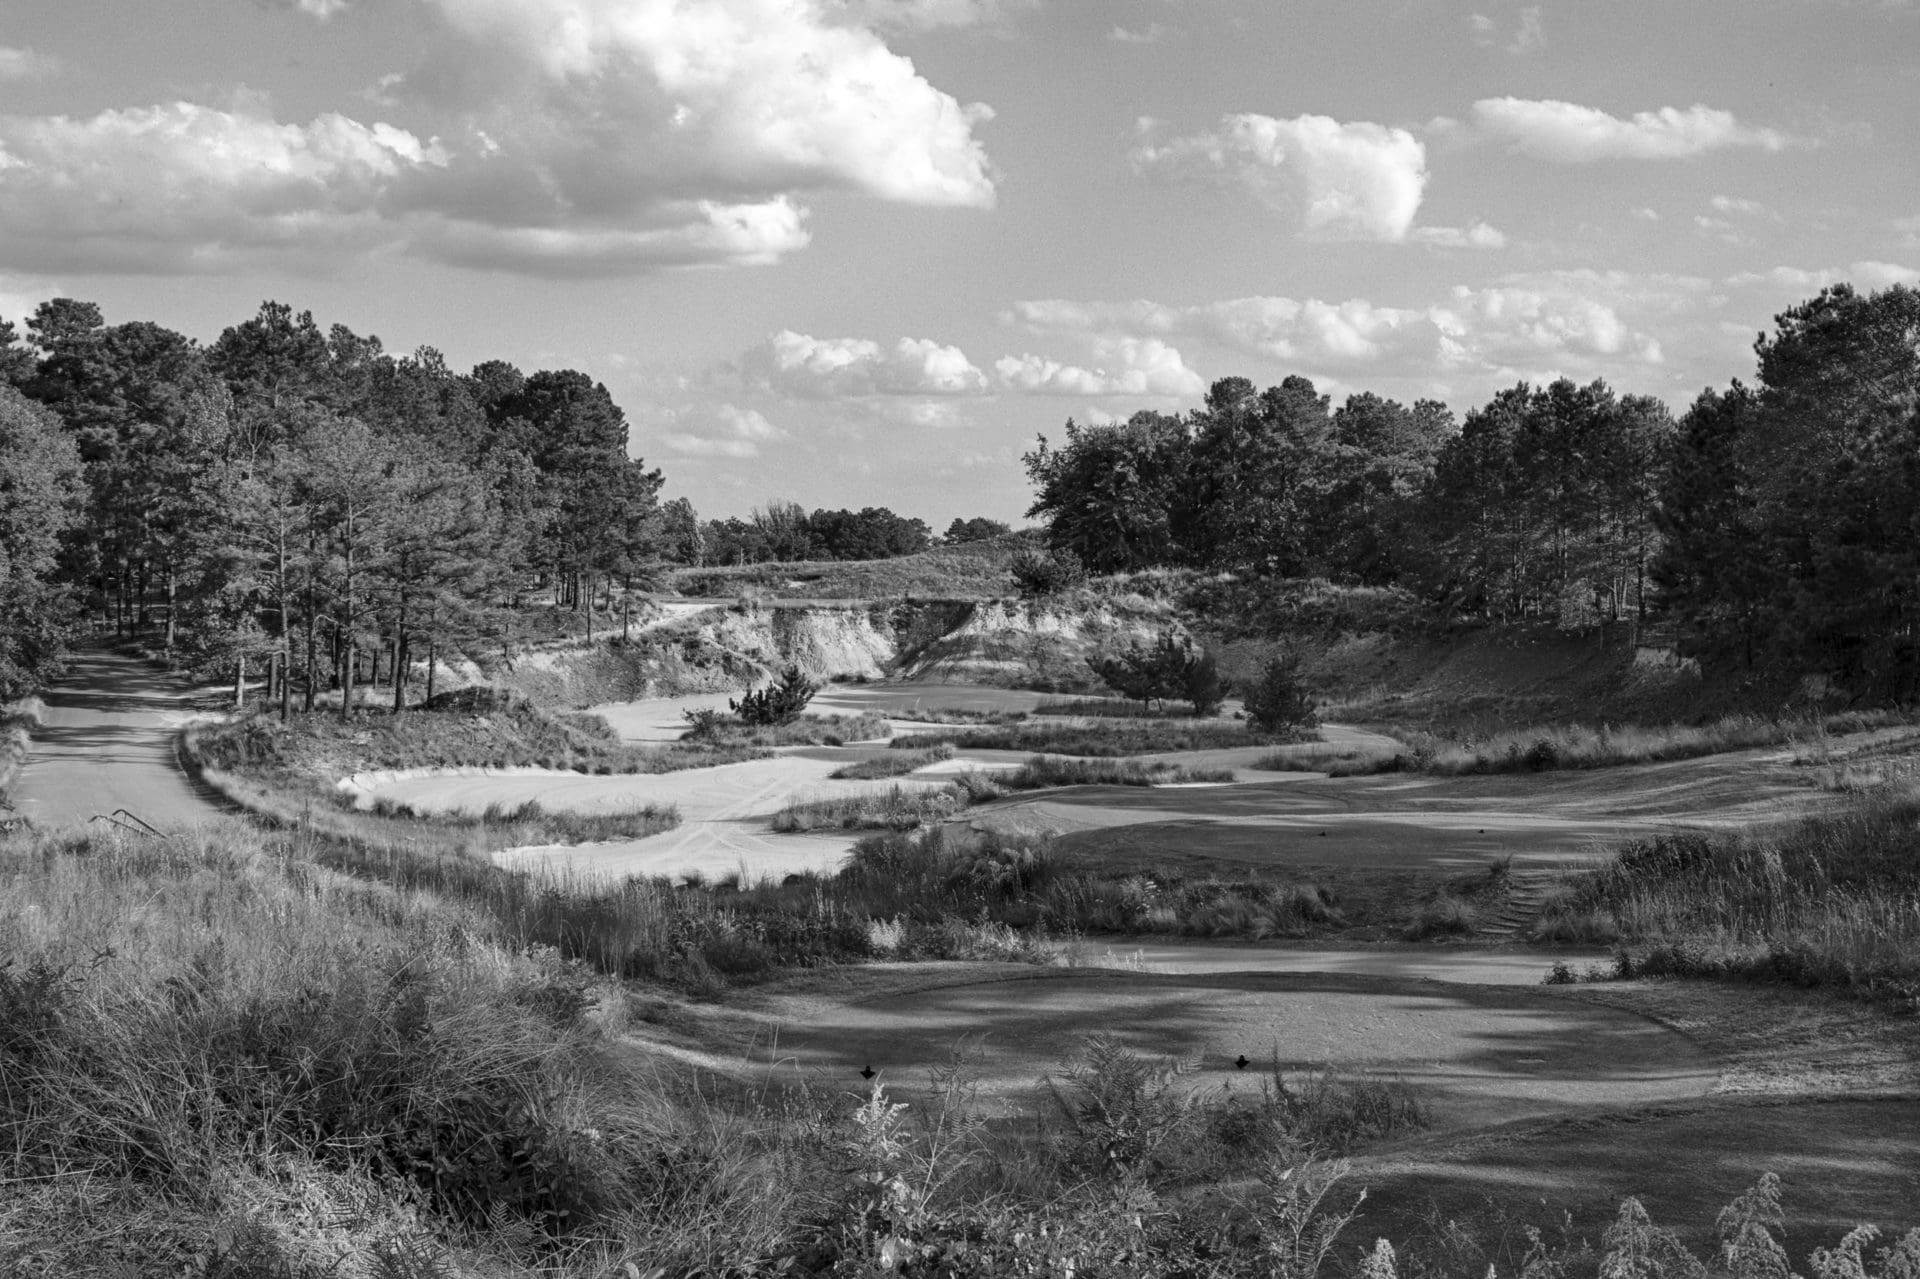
<point x="1132" y="366"/>
<point x="723" y="431"/>
<point x="807" y="367"/>
<point x="1571" y="134"/>
<point x="570" y="136"/>
<point x="25" y="64"/>
<point x="173" y="186"/>
<point x="1733" y="205"/>
<point x="1152" y="33"/>
<point x="1575" y="320"/>
<point x="1352" y="181"/>
<point x="1477" y="236"/>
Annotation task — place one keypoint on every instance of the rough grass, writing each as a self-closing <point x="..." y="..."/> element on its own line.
<point x="895" y="808"/>
<point x="320" y="747"/>
<point x="1833" y="900"/>
<point x="893" y="765"/>
<point x="807" y="730"/>
<point x="1043" y="771"/>
<point x="1127" y="737"/>
<point x="1547" y="748"/>
<point x="1111" y="708"/>
<point x="533" y="824"/>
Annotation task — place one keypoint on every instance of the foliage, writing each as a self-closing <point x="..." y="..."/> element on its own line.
<point x="39" y="478"/>
<point x="1038" y="574"/>
<point x="778" y="703"/>
<point x="1277" y="701"/>
<point x="1172" y="666"/>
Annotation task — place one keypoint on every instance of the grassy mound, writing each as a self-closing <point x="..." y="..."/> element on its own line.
<point x="893" y="765"/>
<point x="1833" y="900"/>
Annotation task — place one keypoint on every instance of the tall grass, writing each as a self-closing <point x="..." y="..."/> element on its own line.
<point x="1043" y="771"/>
<point x="895" y="808"/>
<point x="1833" y="900"/>
<point x="1110" y="708"/>
<point x="893" y="765"/>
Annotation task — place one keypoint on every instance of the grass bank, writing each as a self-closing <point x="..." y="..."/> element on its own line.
<point x="1548" y="748"/>
<point x="1830" y="901"/>
<point x="1107" y="740"/>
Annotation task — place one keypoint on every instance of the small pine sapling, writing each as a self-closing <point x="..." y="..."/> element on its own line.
<point x="777" y="703"/>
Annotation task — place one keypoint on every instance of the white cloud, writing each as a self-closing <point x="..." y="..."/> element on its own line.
<point x="1132" y="366"/>
<point x="724" y="431"/>
<point x="25" y="64"/>
<point x="807" y="367"/>
<point x="1529" y="32"/>
<point x="1152" y="33"/>
<point x="1908" y="231"/>
<point x="573" y="136"/>
<point x="933" y="15"/>
<point x="1645" y="214"/>
<point x="1579" y="321"/>
<point x="1866" y="274"/>
<point x="1732" y="205"/>
<point x="1572" y="134"/>
<point x="1355" y="181"/>
<point x="1477" y="236"/>
<point x="617" y="103"/>
<point x="180" y="185"/>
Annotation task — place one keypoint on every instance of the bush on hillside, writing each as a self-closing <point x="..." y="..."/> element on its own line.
<point x="1040" y="573"/>
<point x="778" y="703"/>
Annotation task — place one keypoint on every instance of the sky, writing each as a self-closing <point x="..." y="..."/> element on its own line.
<point x="863" y="252"/>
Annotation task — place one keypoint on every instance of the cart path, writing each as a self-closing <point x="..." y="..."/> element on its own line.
<point x="107" y="744"/>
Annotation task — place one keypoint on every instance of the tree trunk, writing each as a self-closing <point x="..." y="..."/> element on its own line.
<point x="173" y="601"/>
<point x="352" y="656"/>
<point x="432" y="649"/>
<point x="240" y="682"/>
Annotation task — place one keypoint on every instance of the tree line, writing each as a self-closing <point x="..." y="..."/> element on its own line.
<point x="298" y="498"/>
<point x="1776" y="526"/>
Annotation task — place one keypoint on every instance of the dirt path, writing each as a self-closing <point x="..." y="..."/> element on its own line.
<point x="108" y="744"/>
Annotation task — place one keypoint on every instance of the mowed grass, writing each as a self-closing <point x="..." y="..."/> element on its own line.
<point x="1108" y="740"/>
<point x="1832" y="900"/>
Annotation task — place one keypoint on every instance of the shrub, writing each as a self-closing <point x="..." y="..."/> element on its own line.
<point x="1278" y="701"/>
<point x="777" y="703"/>
<point x="1172" y="666"/>
<point x="1038" y="573"/>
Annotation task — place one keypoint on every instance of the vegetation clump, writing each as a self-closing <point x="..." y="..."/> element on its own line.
<point x="1277" y="701"/>
<point x="1173" y="666"/>
<point x="1038" y="574"/>
<point x="1830" y="901"/>
<point x="780" y="702"/>
<point x="893" y="764"/>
